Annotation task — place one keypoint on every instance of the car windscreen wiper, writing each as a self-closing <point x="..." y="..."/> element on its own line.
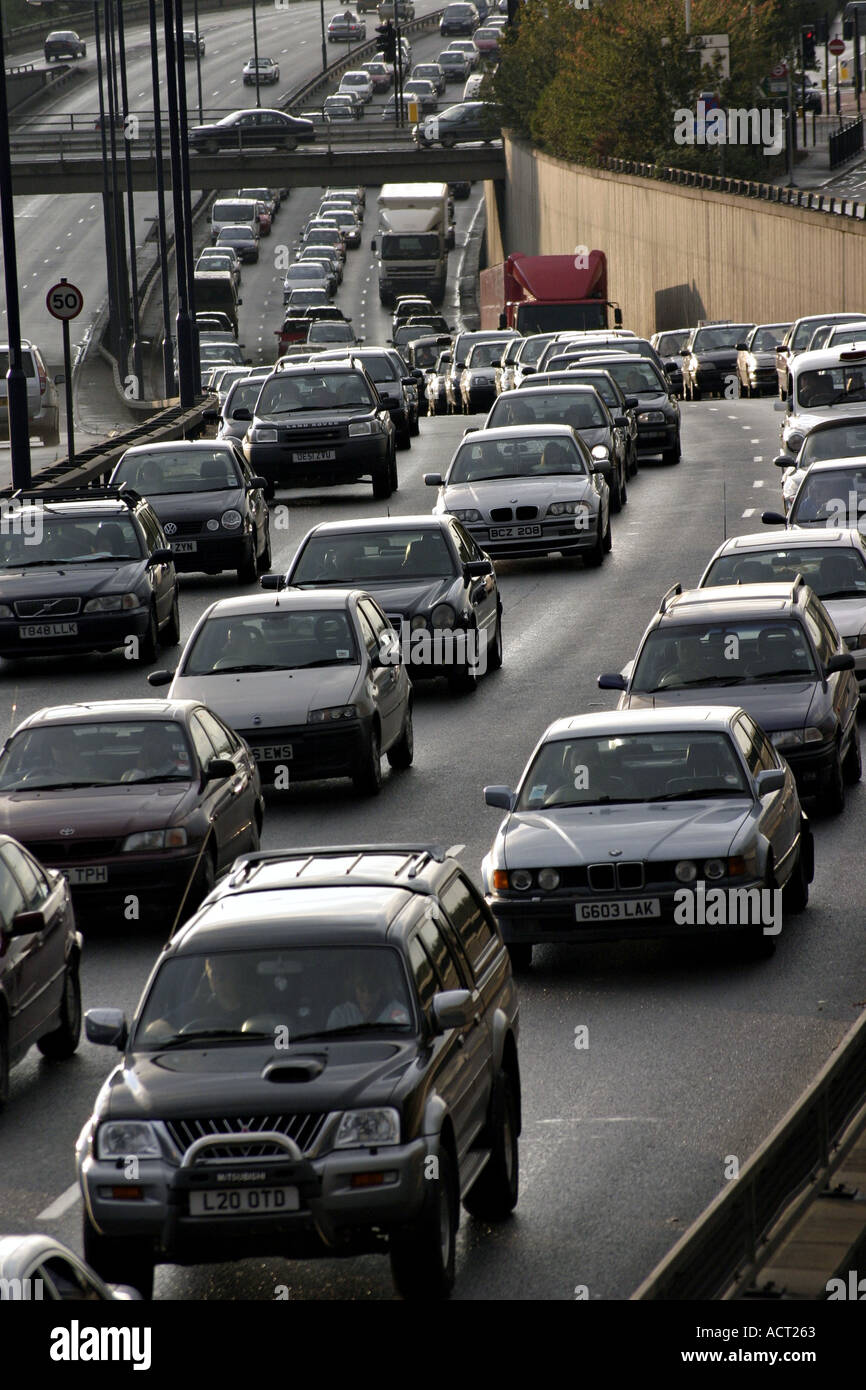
<point x="346" y="1031"/>
<point x="697" y="794"/>
<point x="249" y="667"/>
<point x="152" y="780"/>
<point x="212" y="1035"/>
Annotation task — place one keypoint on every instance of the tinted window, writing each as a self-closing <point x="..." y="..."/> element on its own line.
<point x="161" y="472"/>
<point x="485" y="459"/>
<point x="100" y="753"/>
<point x="408" y="553"/>
<point x="580" y="410"/>
<point x="34" y="885"/>
<point x="467" y="915"/>
<point x="440" y="954"/>
<point x="422" y="973"/>
<point x="724" y="335"/>
<point x="832" y="571"/>
<point x="11" y="896"/>
<point x="738" y="652"/>
<point x="203" y="747"/>
<point x="831" y="498"/>
<point x="67" y="540"/>
<point x="224" y="742"/>
<point x="286" y="395"/>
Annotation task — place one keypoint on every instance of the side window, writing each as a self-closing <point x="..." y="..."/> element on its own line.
<point x="151" y="528"/>
<point x="68" y="1283"/>
<point x="377" y="620"/>
<point x="422" y="973"/>
<point x="826" y="626"/>
<point x="11" y="897"/>
<point x="818" y="633"/>
<point x="469" y="919"/>
<point x="769" y="759"/>
<point x="204" y="749"/>
<point x="33" y="884"/>
<point x="440" y="954"/>
<point x="746" y="736"/>
<point x="368" y="636"/>
<point x="224" y="742"/>
<point x="466" y="548"/>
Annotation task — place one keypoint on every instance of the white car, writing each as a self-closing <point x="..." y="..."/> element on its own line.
<point x="823" y="385"/>
<point x="831" y="493"/>
<point x="468" y="49"/>
<point x="833" y="439"/>
<point x="267" y="70"/>
<point x="527" y="490"/>
<point x="832" y="562"/>
<point x="358" y="84"/>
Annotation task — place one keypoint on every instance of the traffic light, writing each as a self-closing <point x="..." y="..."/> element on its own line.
<point x="822" y="29"/>
<point x="807" y="41"/>
<point x="388" y="35"/>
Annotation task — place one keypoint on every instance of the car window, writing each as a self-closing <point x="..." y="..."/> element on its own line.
<point x="309" y="391"/>
<point x="278" y="640"/>
<point x="96" y="753"/>
<point x="224" y="742"/>
<point x="440" y="954"/>
<point x="162" y="472"/>
<point x="826" y="643"/>
<point x="746" y="733"/>
<point x="466" y="548"/>
<point x="422" y="973"/>
<point x="736" y="652"/>
<point x="832" y="571"/>
<point x="468" y="918"/>
<point x="368" y="635"/>
<point x="583" y="411"/>
<point x="152" y="529"/>
<point x="366" y="556"/>
<point x="69" y="539"/>
<point x="204" y="749"/>
<point x="479" y="459"/>
<point x="376" y="618"/>
<point x="33" y="883"/>
<point x="11" y="897"/>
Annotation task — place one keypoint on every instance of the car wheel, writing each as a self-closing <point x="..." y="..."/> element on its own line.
<point x="4" y="1063"/>
<point x="463" y="681"/>
<point x="608" y="538"/>
<point x="248" y="571"/>
<point x="415" y="426"/>
<point x="795" y="894"/>
<point x="852" y="765"/>
<point x="52" y="437"/>
<point x="448" y="141"/>
<point x="382" y="486"/>
<point x="368" y="778"/>
<point x="494" y="656"/>
<point x="616" y="498"/>
<point x="595" y="557"/>
<point x="119" y="1259"/>
<point x="264" y="561"/>
<point x="392" y="469"/>
<point x="62" y="1042"/>
<point x="149" y="643"/>
<point x="521" y="954"/>
<point x="401" y="753"/>
<point x="673" y="454"/>
<point x="623" y="487"/>
<point x="494" y="1196"/>
<point x="170" y="635"/>
<point x="422" y="1260"/>
<point x="831" y="798"/>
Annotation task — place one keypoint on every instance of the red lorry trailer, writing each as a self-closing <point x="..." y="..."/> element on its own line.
<point x="544" y="294"/>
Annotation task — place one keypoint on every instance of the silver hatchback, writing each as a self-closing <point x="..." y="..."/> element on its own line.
<point x="43" y="407"/>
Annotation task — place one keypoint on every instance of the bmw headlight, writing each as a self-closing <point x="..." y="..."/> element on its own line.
<point x="368" y="1129"/>
<point x="231" y="519"/>
<point x="112" y="603"/>
<point x="686" y="871"/>
<point x="566" y="508"/>
<point x="443" y="615"/>
<point x="715" y="868"/>
<point x="548" y="879"/>
<point x="651" y="417"/>
<point x="332" y="713"/>
<point x="173" y="838"/>
<point x="795" y="738"/>
<point x="262" y="435"/>
<point x="521" y="879"/>
<point x="360" y="427"/>
<point x="468" y="514"/>
<point x="127" y="1138"/>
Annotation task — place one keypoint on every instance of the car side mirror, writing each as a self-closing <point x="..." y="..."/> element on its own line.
<point x="612" y="681"/>
<point x="59" y="379"/>
<point x="273" y="581"/>
<point x="632" y="401"/>
<point x="782" y="349"/>
<point x="617" y="318"/>
<point x="433" y="479"/>
<point x="741" y="347"/>
<point x="452" y="1008"/>
<point x="219" y="768"/>
<point x="106" y="1028"/>
<point x="243" y="412"/>
<point x="373" y="244"/>
<point x="774" y="519"/>
<point x="160" y="677"/>
<point x="28" y="923"/>
<point x="160" y="556"/>
<point x="770" y="780"/>
<point x="842" y="661"/>
<point x="503" y="798"/>
<point x="478" y="569"/>
<point x="255" y="482"/>
<point x="621" y="421"/>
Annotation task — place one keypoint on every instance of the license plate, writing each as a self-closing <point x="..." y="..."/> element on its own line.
<point x="183" y="547"/>
<point x="273" y="753"/>
<point x="629" y="910"/>
<point x="48" y="630"/>
<point x="86" y="874"/>
<point x="314" y="455"/>
<point x="513" y="533"/>
<point x="243" y="1201"/>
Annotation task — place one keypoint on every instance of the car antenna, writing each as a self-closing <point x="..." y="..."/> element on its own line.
<point x="724" y="509"/>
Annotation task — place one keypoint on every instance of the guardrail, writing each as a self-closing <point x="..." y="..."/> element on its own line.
<point x="722" y="1254"/>
<point x="846" y="142"/>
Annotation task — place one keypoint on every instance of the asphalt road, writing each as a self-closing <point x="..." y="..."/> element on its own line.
<point x="693" y="1053"/>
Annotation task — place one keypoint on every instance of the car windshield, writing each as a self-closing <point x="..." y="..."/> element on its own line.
<point x="243" y="396"/>
<point x="581" y="410"/>
<point x="831" y="498"/>
<point x="726" y="335"/>
<point x="832" y="571"/>
<point x="672" y="344"/>
<point x="480" y="460"/>
<point x="243" y="996"/>
<point x="96" y="754"/>
<point x="738" y="652"/>
<point x="828" y="386"/>
<point x="165" y="471"/>
<point x="30" y="538"/>
<point x="282" y="640"/>
<point x="425" y="354"/>
<point x="485" y="354"/>
<point x="305" y="271"/>
<point x="323" y="331"/>
<point x="532" y="349"/>
<point x="838" y="442"/>
<point x="286" y="395"/>
<point x="369" y="557"/>
<point x="636" y="378"/>
<point x="805" y="329"/>
<point x="625" y="768"/>
<point x="767" y="339"/>
<point x="405" y="246"/>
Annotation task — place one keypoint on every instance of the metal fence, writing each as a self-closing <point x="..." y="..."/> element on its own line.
<point x="846" y="142"/>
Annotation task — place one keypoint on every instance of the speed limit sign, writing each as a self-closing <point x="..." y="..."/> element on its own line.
<point x="64" y="301"/>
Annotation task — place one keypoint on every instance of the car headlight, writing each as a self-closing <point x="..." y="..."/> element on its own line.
<point x="521" y="879"/>
<point x="651" y="417"/>
<point x="566" y="509"/>
<point x="443" y="615"/>
<point x="173" y="838"/>
<point x="367" y="1129"/>
<point x="112" y="603"/>
<point x="127" y="1138"/>
<point x="231" y="519"/>
<point x="260" y="435"/>
<point x="794" y="738"/>
<point x="600" y="451"/>
<point x="468" y="514"/>
<point x="361" y="427"/>
<point x="6" y="611"/>
<point x="417" y="623"/>
<point x="715" y="868"/>
<point x="332" y="713"/>
<point x="686" y="871"/>
<point x="548" y="879"/>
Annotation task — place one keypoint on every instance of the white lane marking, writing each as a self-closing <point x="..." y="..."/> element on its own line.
<point x="759" y="482"/>
<point x="736" y="417"/>
<point x="758" y="458"/>
<point x="57" y="1208"/>
<point x="747" y="427"/>
<point x="754" y="441"/>
<point x="600" y="1120"/>
<point x="714" y="407"/>
<point x="750" y="511"/>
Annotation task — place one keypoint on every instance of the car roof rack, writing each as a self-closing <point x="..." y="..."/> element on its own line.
<point x="666" y="598"/>
<point x="416" y="859"/>
<point x="81" y="494"/>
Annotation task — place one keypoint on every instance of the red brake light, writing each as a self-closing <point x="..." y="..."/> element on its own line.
<point x="43" y="382"/>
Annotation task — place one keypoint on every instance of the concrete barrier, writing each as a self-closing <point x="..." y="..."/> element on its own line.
<point x="677" y="253"/>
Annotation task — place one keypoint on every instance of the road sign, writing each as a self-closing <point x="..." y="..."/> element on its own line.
<point x="780" y="70"/>
<point x="64" y="301"/>
<point x="836" y="46"/>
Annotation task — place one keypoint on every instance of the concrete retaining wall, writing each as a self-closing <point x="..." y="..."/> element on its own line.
<point x="678" y="254"/>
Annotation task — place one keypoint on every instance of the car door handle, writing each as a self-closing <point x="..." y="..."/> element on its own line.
<point x="238" y="786"/>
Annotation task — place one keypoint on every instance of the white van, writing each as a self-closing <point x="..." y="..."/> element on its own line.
<point x="229" y="212"/>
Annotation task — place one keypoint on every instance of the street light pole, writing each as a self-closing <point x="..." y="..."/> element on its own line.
<point x="186" y="382"/>
<point x="324" y="43"/>
<point x="137" y="363"/>
<point x="198" y="64"/>
<point x="256" y="54"/>
<point x="167" y="353"/>
<point x="186" y="196"/>
<point x="16" y="382"/>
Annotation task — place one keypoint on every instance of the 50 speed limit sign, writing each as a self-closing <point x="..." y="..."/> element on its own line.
<point x="64" y="301"/>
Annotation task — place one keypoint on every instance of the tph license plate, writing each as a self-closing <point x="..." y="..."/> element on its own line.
<point x="314" y="455"/>
<point x="630" y="909"/>
<point x="184" y="547"/>
<point x="48" y="630"/>
<point x="240" y="1202"/>
<point x="513" y="533"/>
<point x="83" y="874"/>
<point x="272" y="753"/>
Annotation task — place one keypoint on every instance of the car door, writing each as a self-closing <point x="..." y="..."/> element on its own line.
<point x="237" y="807"/>
<point x="17" y="963"/>
<point x="779" y="819"/>
<point x="451" y="1079"/>
<point x="43" y="972"/>
<point x="163" y="578"/>
<point x="843" y="687"/>
<point x="389" y="682"/>
<point x="259" y="510"/>
<point x="217" y="798"/>
<point x="482" y="595"/>
<point x="484" y="956"/>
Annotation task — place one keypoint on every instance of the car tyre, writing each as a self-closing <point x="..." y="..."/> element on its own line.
<point x="448" y="142"/>
<point x="494" y="657"/>
<point x="608" y="538"/>
<point x="673" y="454"/>
<point x="119" y="1259"/>
<point x="52" y="437"/>
<point x="521" y="955"/>
<point x="852" y="764"/>
<point x="401" y="753"/>
<point x="248" y="571"/>
<point x="63" y="1040"/>
<point x="404" y="439"/>
<point x="149" y="643"/>
<point x="392" y="469"/>
<point x="493" y="1196"/>
<point x="415" y="426"/>
<point x="795" y="894"/>
<point x="264" y="561"/>
<point x="4" y="1063"/>
<point x="595" y="557"/>
<point x="368" y="778"/>
<point x="831" y="799"/>
<point x="422" y="1260"/>
<point x="382" y="486"/>
<point x="170" y="635"/>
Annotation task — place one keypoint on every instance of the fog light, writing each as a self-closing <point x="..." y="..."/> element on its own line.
<point x="714" y="868"/>
<point x="128" y="1194"/>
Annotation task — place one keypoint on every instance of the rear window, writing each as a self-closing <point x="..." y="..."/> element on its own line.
<point x="235" y="211"/>
<point x="582" y="411"/>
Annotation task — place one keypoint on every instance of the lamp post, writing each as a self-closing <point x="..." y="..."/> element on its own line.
<point x="137" y="365"/>
<point x="186" y="196"/>
<point x="16" y="382"/>
<point x="198" y="63"/>
<point x="186" y="382"/>
<point x="167" y="353"/>
<point x="324" y="41"/>
<point x="256" y="55"/>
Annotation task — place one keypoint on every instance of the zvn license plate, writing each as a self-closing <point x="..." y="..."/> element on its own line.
<point x="48" y="630"/>
<point x="629" y="910"/>
<point x="513" y="533"/>
<point x="248" y="1199"/>
<point x="86" y="874"/>
<point x="184" y="547"/>
<point x="314" y="455"/>
<point x="274" y="753"/>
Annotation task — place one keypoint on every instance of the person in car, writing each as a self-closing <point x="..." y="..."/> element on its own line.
<point x="241" y="648"/>
<point x="366" y="1002"/>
